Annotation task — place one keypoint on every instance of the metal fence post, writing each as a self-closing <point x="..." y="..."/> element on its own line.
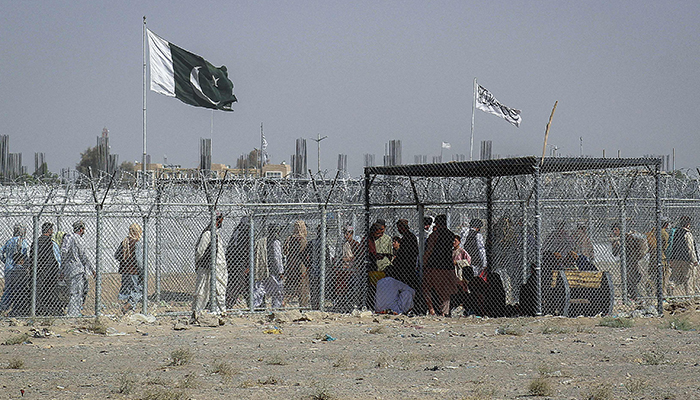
<point x="159" y="238"/>
<point x="35" y="250"/>
<point x="623" y="250"/>
<point x="144" y="307"/>
<point x="322" y="261"/>
<point x="659" y="249"/>
<point x="538" y="238"/>
<point x="490" y="264"/>
<point x="523" y="239"/>
<point x="421" y="239"/>
<point x="251" y="264"/>
<point x="213" y="239"/>
<point x="363" y="269"/>
<point x="98" y="258"/>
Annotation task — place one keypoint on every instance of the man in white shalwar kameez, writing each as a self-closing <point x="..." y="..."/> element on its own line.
<point x="203" y="267"/>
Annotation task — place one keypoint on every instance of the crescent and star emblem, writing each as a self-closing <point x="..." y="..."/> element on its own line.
<point x="194" y="80"/>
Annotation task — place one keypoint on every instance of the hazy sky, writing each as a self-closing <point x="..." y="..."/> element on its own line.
<point x="626" y="75"/>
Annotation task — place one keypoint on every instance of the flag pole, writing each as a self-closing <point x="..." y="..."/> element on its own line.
<point x="261" y="148"/>
<point x="143" y="158"/>
<point x="471" y="140"/>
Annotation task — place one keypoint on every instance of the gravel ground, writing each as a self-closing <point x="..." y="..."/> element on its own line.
<point x="319" y="355"/>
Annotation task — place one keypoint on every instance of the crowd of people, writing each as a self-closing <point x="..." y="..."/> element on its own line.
<point x="388" y="269"/>
<point x="377" y="271"/>
<point x="62" y="271"/>
<point x="679" y="258"/>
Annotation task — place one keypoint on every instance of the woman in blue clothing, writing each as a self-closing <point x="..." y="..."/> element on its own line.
<point x="14" y="256"/>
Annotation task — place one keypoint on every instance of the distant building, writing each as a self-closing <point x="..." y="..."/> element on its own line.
<point x="106" y="161"/>
<point x="14" y="166"/>
<point x="392" y="153"/>
<point x="40" y="167"/>
<point x="216" y="171"/>
<point x="369" y="160"/>
<point x="205" y="154"/>
<point x="4" y="154"/>
<point x="343" y="162"/>
<point x="298" y="159"/>
<point x="486" y="147"/>
<point x="277" y="171"/>
<point x="10" y="163"/>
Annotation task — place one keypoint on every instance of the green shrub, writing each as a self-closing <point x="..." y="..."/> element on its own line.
<point x="15" y="363"/>
<point x="276" y="359"/>
<point x="540" y="386"/>
<point x="600" y="392"/>
<point x="322" y="391"/>
<point x="680" y="324"/>
<point x="621" y="322"/>
<point x="98" y="326"/>
<point x="549" y="329"/>
<point x="653" y="357"/>
<point x="224" y="369"/>
<point x="17" y="339"/>
<point x="126" y="383"/>
<point x="635" y="386"/>
<point x="513" y="330"/>
<point x="165" y="394"/>
<point x="181" y="356"/>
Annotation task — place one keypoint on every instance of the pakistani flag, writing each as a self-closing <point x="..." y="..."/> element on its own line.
<point x="176" y="72"/>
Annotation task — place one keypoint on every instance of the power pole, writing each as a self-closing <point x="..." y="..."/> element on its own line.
<point x="318" y="145"/>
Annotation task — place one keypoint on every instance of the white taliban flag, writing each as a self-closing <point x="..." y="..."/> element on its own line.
<point x="486" y="102"/>
<point x="446" y="145"/>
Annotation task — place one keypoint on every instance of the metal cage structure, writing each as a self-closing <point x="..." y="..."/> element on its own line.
<point x="518" y="200"/>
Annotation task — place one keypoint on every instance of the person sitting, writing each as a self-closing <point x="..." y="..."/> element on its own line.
<point x="584" y="264"/>
<point x="393" y="296"/>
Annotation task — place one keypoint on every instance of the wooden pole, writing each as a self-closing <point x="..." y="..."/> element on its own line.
<point x="546" y="132"/>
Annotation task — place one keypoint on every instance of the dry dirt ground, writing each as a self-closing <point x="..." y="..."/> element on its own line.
<point x="360" y="356"/>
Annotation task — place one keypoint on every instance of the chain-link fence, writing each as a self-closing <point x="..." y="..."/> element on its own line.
<point x="568" y="239"/>
<point x="558" y="236"/>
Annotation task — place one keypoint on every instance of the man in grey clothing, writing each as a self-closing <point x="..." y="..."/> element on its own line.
<point x="75" y="267"/>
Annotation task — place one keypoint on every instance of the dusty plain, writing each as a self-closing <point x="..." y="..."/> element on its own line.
<point x="317" y="355"/>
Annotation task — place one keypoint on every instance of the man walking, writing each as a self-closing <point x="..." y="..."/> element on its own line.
<point x="202" y="257"/>
<point x="683" y="258"/>
<point x="48" y="269"/>
<point x="439" y="272"/>
<point x="75" y="268"/>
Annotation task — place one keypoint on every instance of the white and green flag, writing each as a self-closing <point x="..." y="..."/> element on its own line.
<point x="176" y="72"/>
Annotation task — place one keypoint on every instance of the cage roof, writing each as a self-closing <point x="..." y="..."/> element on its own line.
<point x="511" y="166"/>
